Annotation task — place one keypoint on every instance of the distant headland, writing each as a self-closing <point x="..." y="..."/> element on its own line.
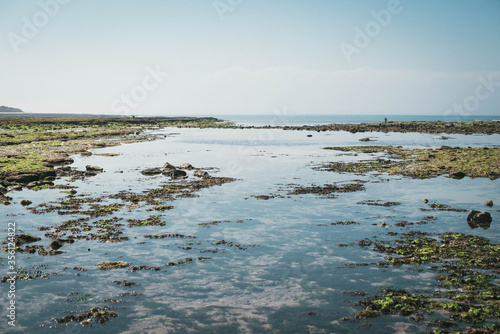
<point x="10" y="110"/>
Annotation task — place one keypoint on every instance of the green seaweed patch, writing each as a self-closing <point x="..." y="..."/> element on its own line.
<point x="99" y="315"/>
<point x="327" y="190"/>
<point x="151" y="221"/>
<point x="455" y="162"/>
<point x="467" y="268"/>
<point x="23" y="274"/>
<point x="112" y="265"/>
<point x="442" y="207"/>
<point x="168" y="235"/>
<point x="160" y="208"/>
<point x="379" y="203"/>
<point x="347" y="222"/>
<point x="214" y="223"/>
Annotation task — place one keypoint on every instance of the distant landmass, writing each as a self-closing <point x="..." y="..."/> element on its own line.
<point x="9" y="109"/>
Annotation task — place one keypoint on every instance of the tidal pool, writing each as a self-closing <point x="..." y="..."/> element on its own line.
<point x="280" y="268"/>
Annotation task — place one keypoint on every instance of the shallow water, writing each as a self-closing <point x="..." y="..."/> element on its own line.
<point x="296" y="265"/>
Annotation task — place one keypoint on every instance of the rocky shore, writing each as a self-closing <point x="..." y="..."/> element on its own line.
<point x="465" y="128"/>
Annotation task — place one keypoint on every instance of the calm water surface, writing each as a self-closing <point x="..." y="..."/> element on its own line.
<point x="296" y="265"/>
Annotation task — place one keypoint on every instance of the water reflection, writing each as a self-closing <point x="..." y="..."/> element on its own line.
<point x="483" y="224"/>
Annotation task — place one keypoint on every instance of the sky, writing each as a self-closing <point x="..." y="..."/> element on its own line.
<point x="216" y="57"/>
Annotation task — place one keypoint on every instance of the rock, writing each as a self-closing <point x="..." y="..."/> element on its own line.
<point x="91" y="168"/>
<point x="86" y="154"/>
<point x="364" y="139"/>
<point x="59" y="160"/>
<point x="55" y="252"/>
<point x="425" y="201"/>
<point x="151" y="171"/>
<point x="489" y="203"/>
<point x="26" y="239"/>
<point x="34" y="184"/>
<point x="186" y="166"/>
<point x="479" y="217"/>
<point x="16" y="187"/>
<point x="23" y="178"/>
<point x="168" y="166"/>
<point x="3" y="190"/>
<point x="383" y="224"/>
<point x="55" y="244"/>
<point x="25" y="202"/>
<point x="457" y="175"/>
<point x="175" y="174"/>
<point x="200" y="173"/>
<point x="309" y="136"/>
<point x="90" y="173"/>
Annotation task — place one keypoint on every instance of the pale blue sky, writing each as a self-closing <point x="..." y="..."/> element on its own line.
<point x="263" y="55"/>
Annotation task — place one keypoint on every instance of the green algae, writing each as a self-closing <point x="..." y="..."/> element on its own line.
<point x="468" y="279"/>
<point x="423" y="163"/>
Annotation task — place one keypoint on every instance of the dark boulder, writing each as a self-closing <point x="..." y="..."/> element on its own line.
<point x="55" y="244"/>
<point x="91" y="168"/>
<point x="175" y="174"/>
<point x="168" y="166"/>
<point x="489" y="203"/>
<point x="479" y="217"/>
<point x="23" y="178"/>
<point x="457" y="175"/>
<point x="26" y="202"/>
<point x="26" y="239"/>
<point x="151" y="171"/>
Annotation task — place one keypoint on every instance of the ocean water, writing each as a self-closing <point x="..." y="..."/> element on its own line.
<point x="293" y="264"/>
<point x="284" y="119"/>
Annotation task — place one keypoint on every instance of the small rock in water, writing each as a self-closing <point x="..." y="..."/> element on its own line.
<point x="26" y="202"/>
<point x="425" y="201"/>
<point x="186" y="166"/>
<point x="200" y="173"/>
<point x="55" y="244"/>
<point x="479" y="217"/>
<point x="26" y="239"/>
<point x="168" y="166"/>
<point x="309" y="135"/>
<point x="489" y="203"/>
<point x="91" y="168"/>
<point x="383" y="224"/>
<point x="175" y="174"/>
<point x="365" y="139"/>
<point x="457" y="175"/>
<point x="151" y="171"/>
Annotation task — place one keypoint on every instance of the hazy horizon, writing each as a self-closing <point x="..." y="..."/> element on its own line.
<point x="240" y="57"/>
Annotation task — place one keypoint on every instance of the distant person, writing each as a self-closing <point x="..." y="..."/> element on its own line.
<point x="385" y="119"/>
